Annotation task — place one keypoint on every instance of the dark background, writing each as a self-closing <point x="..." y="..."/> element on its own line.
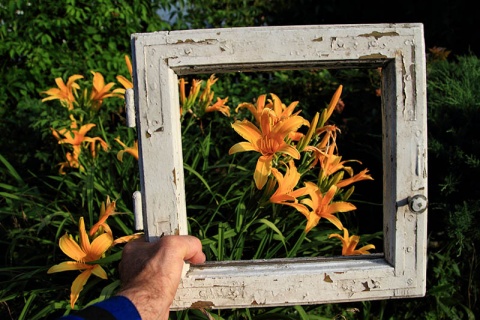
<point x="449" y="24"/>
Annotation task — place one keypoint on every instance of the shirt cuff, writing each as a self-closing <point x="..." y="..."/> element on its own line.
<point x="120" y="307"/>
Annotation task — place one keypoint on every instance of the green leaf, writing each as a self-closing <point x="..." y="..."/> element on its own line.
<point x="117" y="256"/>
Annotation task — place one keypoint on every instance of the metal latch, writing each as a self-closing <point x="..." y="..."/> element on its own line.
<point x="418" y="203"/>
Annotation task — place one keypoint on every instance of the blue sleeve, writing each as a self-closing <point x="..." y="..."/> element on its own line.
<point x="114" y="308"/>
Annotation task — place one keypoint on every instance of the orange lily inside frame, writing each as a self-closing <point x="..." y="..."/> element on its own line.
<point x="349" y="244"/>
<point x="278" y="141"/>
<point x="268" y="140"/>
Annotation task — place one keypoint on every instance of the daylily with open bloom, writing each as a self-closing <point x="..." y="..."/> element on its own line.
<point x="280" y="110"/>
<point x="65" y="92"/>
<point x="101" y="91"/>
<point x="331" y="163"/>
<point x="76" y="136"/>
<point x="82" y="253"/>
<point x="126" y="149"/>
<point x="323" y="206"/>
<point x="268" y="141"/>
<point x="285" y="194"/>
<point x="256" y="109"/>
<point x="350" y="243"/>
<point x="107" y="210"/>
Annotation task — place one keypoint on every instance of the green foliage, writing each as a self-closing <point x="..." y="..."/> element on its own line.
<point x="42" y="40"/>
<point x="220" y="14"/>
<point x="454" y="149"/>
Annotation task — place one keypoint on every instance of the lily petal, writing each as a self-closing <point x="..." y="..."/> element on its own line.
<point x="241" y="147"/>
<point x="71" y="248"/>
<point x="262" y="171"/>
<point x="77" y="286"/>
<point x="125" y="239"/>
<point x="99" y="272"/>
<point x="247" y="130"/>
<point x="99" y="245"/>
<point x="84" y="240"/>
<point x="68" y="266"/>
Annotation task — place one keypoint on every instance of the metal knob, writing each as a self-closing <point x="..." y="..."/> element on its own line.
<point x="418" y="203"/>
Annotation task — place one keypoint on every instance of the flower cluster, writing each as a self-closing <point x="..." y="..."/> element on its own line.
<point x="198" y="103"/>
<point x="75" y="135"/>
<point x="275" y="134"/>
<point x="83" y="107"/>
<point x="298" y="162"/>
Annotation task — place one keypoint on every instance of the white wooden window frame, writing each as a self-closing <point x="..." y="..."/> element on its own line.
<point x="160" y="57"/>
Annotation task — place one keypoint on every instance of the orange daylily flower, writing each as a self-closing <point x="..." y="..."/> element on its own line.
<point x="219" y="106"/>
<point x="204" y="103"/>
<point x="72" y="162"/>
<point x="330" y="133"/>
<point x="256" y="109"/>
<point x="108" y="209"/>
<point x="285" y="194"/>
<point x="101" y="91"/>
<point x="350" y="243"/>
<point x="280" y="110"/>
<point x="329" y="161"/>
<point x="82" y="253"/>
<point x="207" y="95"/>
<point x="327" y="113"/>
<point x="76" y="137"/>
<point x="183" y="96"/>
<point x="65" y="92"/>
<point x="186" y="103"/>
<point x="322" y="206"/>
<point x="268" y="141"/>
<point x="362" y="175"/>
<point x="206" y="98"/>
<point x="131" y="150"/>
<point x="127" y="84"/>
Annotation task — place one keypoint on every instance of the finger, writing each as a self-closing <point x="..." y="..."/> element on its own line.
<point x="173" y="251"/>
<point x="184" y="248"/>
<point x="194" y="252"/>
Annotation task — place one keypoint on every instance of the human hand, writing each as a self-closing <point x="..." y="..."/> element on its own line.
<point x="150" y="272"/>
